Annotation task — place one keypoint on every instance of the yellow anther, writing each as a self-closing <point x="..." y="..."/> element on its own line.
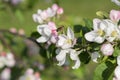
<point x="100" y="32"/>
<point x="114" y="34"/>
<point x="69" y="41"/>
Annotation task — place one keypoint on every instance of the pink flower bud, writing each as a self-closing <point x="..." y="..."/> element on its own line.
<point x="13" y="30"/>
<point x="60" y="11"/>
<point x="37" y="75"/>
<point x="3" y="54"/>
<point x="107" y="49"/>
<point x="55" y="7"/>
<point x="52" y="25"/>
<point x="115" y="15"/>
<point x="21" y="32"/>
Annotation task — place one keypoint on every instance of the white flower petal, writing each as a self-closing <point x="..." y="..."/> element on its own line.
<point x="96" y="23"/>
<point x="94" y="56"/>
<point x="37" y="18"/>
<point x="42" y="39"/>
<point x="61" y="57"/>
<point x="110" y="39"/>
<point x="50" y="12"/>
<point x="118" y="60"/>
<point x="77" y="64"/>
<point x="103" y="25"/>
<point x="99" y="39"/>
<point x="90" y="36"/>
<point x="73" y="55"/>
<point x="2" y="62"/>
<point x="117" y="72"/>
<point x="58" y="51"/>
<point x="66" y="46"/>
<point x="61" y="40"/>
<point x="117" y="2"/>
<point x="47" y="31"/>
<point x="61" y="62"/>
<point x="39" y="11"/>
<point x="44" y="15"/>
<point x="40" y="28"/>
<point x="5" y="74"/>
<point x="53" y="39"/>
<point x="70" y="33"/>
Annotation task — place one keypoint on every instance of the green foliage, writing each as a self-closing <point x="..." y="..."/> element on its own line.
<point x="104" y="71"/>
<point x="102" y="14"/>
<point x="84" y="57"/>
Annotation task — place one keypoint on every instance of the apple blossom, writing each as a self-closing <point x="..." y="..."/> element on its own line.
<point x="118" y="60"/>
<point x="21" y="32"/>
<point x="98" y="34"/>
<point x="7" y="59"/>
<point x="61" y="57"/>
<point x="13" y="30"/>
<point x="117" y="2"/>
<point x="65" y="44"/>
<point x="117" y="70"/>
<point x="103" y="29"/>
<point x="10" y="61"/>
<point x="115" y="15"/>
<point x="37" y="18"/>
<point x="94" y="56"/>
<point x="30" y="75"/>
<point x="50" y="12"/>
<point x="55" y="7"/>
<point x="5" y="74"/>
<point x="48" y="32"/>
<point x="107" y="49"/>
<point x="44" y="16"/>
<point x="112" y="32"/>
<point x="60" y="11"/>
<point x="2" y="60"/>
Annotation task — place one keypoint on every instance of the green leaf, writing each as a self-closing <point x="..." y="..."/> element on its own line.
<point x="88" y="23"/>
<point x="43" y="52"/>
<point x="51" y="50"/>
<point x="80" y="30"/>
<point x="35" y="34"/>
<point x="102" y="14"/>
<point x="84" y="57"/>
<point x="116" y="51"/>
<point x="104" y="71"/>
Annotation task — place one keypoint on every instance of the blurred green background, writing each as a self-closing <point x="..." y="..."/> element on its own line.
<point x="74" y="11"/>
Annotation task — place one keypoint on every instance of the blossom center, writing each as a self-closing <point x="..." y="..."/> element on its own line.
<point x="114" y="33"/>
<point x="69" y="41"/>
<point x="28" y="78"/>
<point x="100" y="32"/>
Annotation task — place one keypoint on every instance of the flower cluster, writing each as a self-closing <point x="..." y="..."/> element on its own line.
<point x="30" y="75"/>
<point x="65" y="45"/>
<point x="44" y="16"/>
<point x="105" y="32"/>
<point x="6" y="59"/>
<point x="49" y="33"/>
